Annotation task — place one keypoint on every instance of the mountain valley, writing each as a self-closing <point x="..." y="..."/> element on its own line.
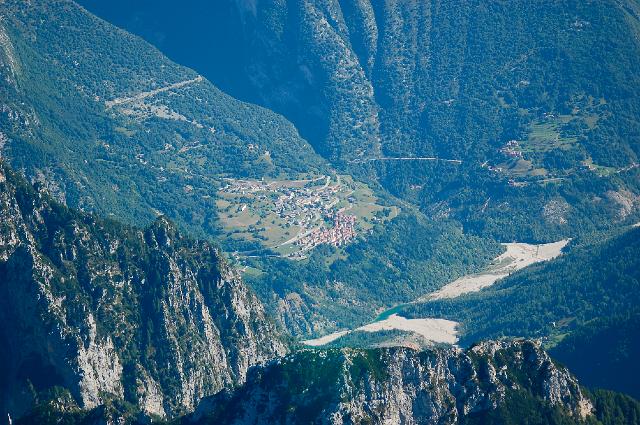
<point x="319" y="211"/>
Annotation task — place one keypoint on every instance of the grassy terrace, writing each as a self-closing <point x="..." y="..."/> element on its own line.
<point x="552" y="135"/>
<point x="291" y="217"/>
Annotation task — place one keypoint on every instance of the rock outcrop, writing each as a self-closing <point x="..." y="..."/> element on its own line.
<point x="107" y="311"/>
<point x="396" y="386"/>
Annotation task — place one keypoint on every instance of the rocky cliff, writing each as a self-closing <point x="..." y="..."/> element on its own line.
<point x="107" y="311"/>
<point x="398" y="386"/>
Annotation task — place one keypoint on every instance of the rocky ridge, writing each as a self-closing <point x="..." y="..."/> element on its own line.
<point x="396" y="386"/>
<point x="107" y="311"/>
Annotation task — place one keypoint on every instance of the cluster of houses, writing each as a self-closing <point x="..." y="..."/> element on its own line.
<point x="304" y="206"/>
<point x="301" y="206"/>
<point x="512" y="149"/>
<point x="342" y="231"/>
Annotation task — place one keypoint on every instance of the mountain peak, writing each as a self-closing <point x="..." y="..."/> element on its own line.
<point x="163" y="232"/>
<point x="90" y="306"/>
<point x="398" y="385"/>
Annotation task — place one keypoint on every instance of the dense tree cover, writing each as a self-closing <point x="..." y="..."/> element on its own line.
<point x="423" y="87"/>
<point x="551" y="298"/>
<point x="437" y="79"/>
<point x="397" y="262"/>
<point x="521" y="408"/>
<point x="590" y="293"/>
<point x="59" y="408"/>
<point x="109" y="160"/>
<point x="604" y="353"/>
<point x="166" y="153"/>
<point x="449" y="79"/>
<point x="615" y="408"/>
<point x="490" y="207"/>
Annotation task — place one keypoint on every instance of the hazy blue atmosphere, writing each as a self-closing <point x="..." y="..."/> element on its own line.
<point x="319" y="212"/>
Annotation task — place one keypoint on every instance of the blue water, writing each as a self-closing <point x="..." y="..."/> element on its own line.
<point x="385" y="314"/>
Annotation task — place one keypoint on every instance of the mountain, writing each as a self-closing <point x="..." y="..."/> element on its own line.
<point x="101" y="320"/>
<point x="110" y="125"/>
<point x="402" y="142"/>
<point x="532" y="107"/>
<point x="98" y="311"/>
<point x="489" y="383"/>
<point x="585" y="301"/>
<point x="417" y="78"/>
<point x="400" y="386"/>
<point x="144" y="132"/>
<point x="115" y="127"/>
<point x="612" y="344"/>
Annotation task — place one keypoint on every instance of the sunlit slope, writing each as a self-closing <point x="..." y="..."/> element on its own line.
<point x="112" y="125"/>
<point x="517" y="118"/>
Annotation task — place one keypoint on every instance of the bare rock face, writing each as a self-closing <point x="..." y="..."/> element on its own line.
<point x="624" y="202"/>
<point x="395" y="386"/>
<point x="556" y="211"/>
<point x="113" y="312"/>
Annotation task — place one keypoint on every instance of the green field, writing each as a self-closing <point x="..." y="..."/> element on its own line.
<point x="547" y="136"/>
<point x="548" y="139"/>
<point x="283" y="215"/>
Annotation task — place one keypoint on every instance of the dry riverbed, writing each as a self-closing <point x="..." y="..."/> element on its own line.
<point x="516" y="257"/>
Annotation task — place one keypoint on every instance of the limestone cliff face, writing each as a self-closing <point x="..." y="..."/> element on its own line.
<point x="113" y="312"/>
<point x="395" y="386"/>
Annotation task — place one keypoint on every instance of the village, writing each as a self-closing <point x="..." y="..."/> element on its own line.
<point x="341" y="233"/>
<point x="294" y="216"/>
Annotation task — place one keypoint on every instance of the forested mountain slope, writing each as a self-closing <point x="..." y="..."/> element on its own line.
<point x="416" y="70"/>
<point x="110" y="125"/>
<point x="592" y="281"/>
<point x="113" y="126"/>
<point x="340" y="288"/>
<point x="539" y="101"/>
<point x="429" y="132"/>
<point x="590" y="294"/>
<point x="604" y="353"/>
<point x="100" y="311"/>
